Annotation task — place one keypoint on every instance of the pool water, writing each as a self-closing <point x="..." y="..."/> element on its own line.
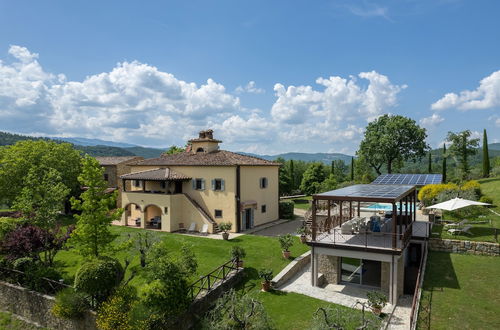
<point x="386" y="207"/>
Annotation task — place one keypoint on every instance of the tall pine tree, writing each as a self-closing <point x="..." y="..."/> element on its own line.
<point x="444" y="163"/>
<point x="430" y="163"/>
<point x="486" y="156"/>
<point x="352" y="168"/>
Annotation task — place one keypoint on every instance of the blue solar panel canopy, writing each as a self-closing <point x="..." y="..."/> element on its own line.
<point x="409" y="179"/>
<point x="368" y="192"/>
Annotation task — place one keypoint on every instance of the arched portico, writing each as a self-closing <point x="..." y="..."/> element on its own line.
<point x="153" y="216"/>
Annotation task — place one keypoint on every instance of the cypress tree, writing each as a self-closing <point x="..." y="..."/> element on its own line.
<point x="333" y="167"/>
<point x="430" y="162"/>
<point x="486" y="156"/>
<point x="444" y="163"/>
<point x="292" y="174"/>
<point x="352" y="168"/>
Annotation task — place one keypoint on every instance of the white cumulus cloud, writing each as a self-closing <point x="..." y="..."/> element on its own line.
<point x="486" y="96"/>
<point x="431" y="121"/>
<point x="341" y="99"/>
<point x="250" y="88"/>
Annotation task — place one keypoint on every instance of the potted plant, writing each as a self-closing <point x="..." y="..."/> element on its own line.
<point x="238" y="253"/>
<point x="303" y="232"/>
<point x="376" y="301"/>
<point x="286" y="242"/>
<point x="266" y="275"/>
<point x="225" y="227"/>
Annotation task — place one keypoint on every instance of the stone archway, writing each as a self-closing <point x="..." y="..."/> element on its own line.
<point x="132" y="213"/>
<point x="152" y="216"/>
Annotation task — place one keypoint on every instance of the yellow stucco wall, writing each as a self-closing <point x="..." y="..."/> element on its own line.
<point x="250" y="190"/>
<point x="211" y="200"/>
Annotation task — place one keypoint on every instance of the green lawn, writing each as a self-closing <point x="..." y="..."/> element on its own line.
<point x="480" y="232"/>
<point x="10" y="323"/>
<point x="299" y="204"/>
<point x="288" y="310"/>
<point x="460" y="292"/>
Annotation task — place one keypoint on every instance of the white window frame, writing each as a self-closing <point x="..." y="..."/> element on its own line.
<point x="195" y="184"/>
<point x="214" y="184"/>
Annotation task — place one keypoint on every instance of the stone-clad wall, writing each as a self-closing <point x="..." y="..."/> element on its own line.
<point x="36" y="308"/>
<point x="460" y="246"/>
<point x="329" y="266"/>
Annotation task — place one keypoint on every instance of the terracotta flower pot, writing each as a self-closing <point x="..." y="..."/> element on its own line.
<point x="303" y="239"/>
<point x="377" y="310"/>
<point x="265" y="286"/>
<point x="225" y="236"/>
<point x="286" y="254"/>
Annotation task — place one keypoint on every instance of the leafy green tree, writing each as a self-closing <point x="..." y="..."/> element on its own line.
<point x="285" y="186"/>
<point x="340" y="172"/>
<point x="330" y="183"/>
<point x="444" y="163"/>
<point x="363" y="172"/>
<point x="167" y="293"/>
<point x="486" y="156"/>
<point x="462" y="147"/>
<point x="42" y="197"/>
<point x="92" y="235"/>
<point x="390" y="139"/>
<point x="174" y="150"/>
<point x="312" y="179"/>
<point x="16" y="162"/>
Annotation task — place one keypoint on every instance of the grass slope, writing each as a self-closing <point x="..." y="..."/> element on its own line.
<point x="288" y="310"/>
<point x="8" y="322"/>
<point x="461" y="291"/>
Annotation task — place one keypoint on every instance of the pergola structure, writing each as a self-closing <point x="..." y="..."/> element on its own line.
<point x="159" y="175"/>
<point x="352" y="197"/>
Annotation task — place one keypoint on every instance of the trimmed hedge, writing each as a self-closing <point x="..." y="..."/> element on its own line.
<point x="286" y="210"/>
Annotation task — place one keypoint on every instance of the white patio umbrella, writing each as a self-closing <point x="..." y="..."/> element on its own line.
<point x="455" y="204"/>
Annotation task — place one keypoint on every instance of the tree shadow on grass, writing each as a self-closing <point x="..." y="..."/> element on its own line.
<point x="490" y="180"/>
<point x="440" y="272"/>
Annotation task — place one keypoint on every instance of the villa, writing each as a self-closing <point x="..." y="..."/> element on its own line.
<point x="201" y="187"/>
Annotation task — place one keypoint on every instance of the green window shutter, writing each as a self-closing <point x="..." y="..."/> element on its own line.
<point x="213" y="184"/>
<point x="202" y="184"/>
<point x="194" y="184"/>
<point x="222" y="185"/>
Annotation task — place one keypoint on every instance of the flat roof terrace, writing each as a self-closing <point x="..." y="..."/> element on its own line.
<point x="336" y="219"/>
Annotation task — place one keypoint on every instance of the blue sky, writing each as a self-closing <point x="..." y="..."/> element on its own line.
<point x="267" y="76"/>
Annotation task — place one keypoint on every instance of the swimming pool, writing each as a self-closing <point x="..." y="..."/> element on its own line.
<point x="385" y="207"/>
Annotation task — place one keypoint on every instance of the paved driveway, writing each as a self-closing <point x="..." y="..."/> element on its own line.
<point x="289" y="227"/>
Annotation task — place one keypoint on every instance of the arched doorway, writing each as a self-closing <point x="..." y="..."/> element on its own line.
<point x="133" y="214"/>
<point x="152" y="216"/>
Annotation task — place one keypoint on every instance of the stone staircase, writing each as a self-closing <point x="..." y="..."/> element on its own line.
<point x="205" y="214"/>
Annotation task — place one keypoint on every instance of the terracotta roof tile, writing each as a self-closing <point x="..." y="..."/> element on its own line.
<point x="216" y="158"/>
<point x="156" y="174"/>
<point x="115" y="160"/>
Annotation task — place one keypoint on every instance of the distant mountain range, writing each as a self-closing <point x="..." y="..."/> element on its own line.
<point x="306" y="157"/>
<point x="97" y="147"/>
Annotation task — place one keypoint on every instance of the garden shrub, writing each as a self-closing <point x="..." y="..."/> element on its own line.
<point x="9" y="224"/>
<point x="286" y="210"/>
<point x="472" y="185"/>
<point x="69" y="304"/>
<point x="429" y="193"/>
<point x="114" y="313"/>
<point x="34" y="274"/>
<point x="98" y="278"/>
<point x="486" y="199"/>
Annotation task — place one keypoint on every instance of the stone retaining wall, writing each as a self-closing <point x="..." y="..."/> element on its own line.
<point x="291" y="269"/>
<point x="36" y="308"/>
<point x="460" y="246"/>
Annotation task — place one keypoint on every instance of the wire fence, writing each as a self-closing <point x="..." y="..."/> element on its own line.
<point x="31" y="281"/>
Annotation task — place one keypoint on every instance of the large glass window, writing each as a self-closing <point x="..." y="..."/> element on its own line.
<point x="361" y="271"/>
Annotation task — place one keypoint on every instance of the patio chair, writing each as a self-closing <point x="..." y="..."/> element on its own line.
<point x="192" y="227"/>
<point x="456" y="231"/>
<point x="456" y="224"/>
<point x="138" y="222"/>
<point x="204" y="229"/>
<point x="182" y="229"/>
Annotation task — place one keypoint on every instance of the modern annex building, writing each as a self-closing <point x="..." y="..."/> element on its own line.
<point x="370" y="235"/>
<point x="203" y="185"/>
